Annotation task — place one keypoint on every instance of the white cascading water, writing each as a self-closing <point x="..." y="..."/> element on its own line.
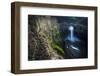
<point x="71" y="28"/>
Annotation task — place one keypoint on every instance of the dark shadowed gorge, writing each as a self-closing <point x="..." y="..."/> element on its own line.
<point x="49" y="37"/>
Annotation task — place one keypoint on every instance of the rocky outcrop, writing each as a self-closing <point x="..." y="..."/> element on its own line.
<point x="40" y="39"/>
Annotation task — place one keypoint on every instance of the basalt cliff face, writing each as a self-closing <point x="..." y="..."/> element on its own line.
<point x="44" y="40"/>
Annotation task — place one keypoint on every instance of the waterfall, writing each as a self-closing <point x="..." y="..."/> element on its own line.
<point x="71" y="29"/>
